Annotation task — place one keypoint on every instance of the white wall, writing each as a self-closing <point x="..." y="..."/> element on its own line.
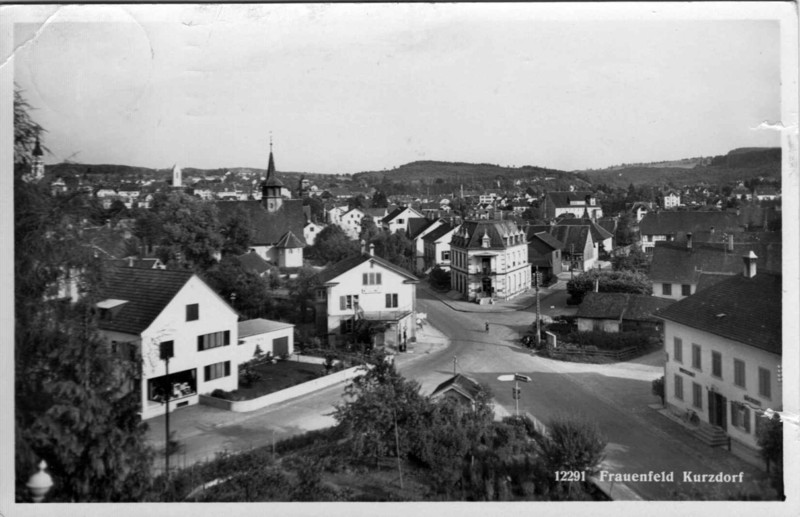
<point x="246" y="350"/>
<point x="753" y="359"/>
<point x="214" y="316"/>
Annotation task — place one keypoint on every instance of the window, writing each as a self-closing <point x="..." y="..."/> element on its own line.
<point x="348" y="302"/>
<point x="686" y="290"/>
<point x="764" y="386"/>
<point x="697" y="360"/>
<point x="716" y="364"/>
<point x="391" y="301"/>
<point x="400" y="221"/>
<point x="740" y="416"/>
<point x="217" y="370"/>
<point x="192" y="312"/>
<point x="678" y="350"/>
<point x="213" y="340"/>
<point x="346" y="326"/>
<point x="666" y="289"/>
<point x="678" y="387"/>
<point x="371" y="279"/>
<point x="738" y="373"/>
<point x="697" y="396"/>
<point x="445" y="255"/>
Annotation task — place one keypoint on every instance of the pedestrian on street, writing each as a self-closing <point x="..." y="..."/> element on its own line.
<point x="487" y="326"/>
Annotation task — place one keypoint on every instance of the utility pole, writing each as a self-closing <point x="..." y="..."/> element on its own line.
<point x="455" y="360"/>
<point x="538" y="313"/>
<point x="166" y="352"/>
<point x="397" y="448"/>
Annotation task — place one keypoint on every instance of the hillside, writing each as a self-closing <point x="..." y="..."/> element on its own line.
<point x="459" y="173"/>
<point x="737" y="165"/>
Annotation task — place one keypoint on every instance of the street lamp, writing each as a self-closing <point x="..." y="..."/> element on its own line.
<point x="516" y="377"/>
<point x="40" y="483"/>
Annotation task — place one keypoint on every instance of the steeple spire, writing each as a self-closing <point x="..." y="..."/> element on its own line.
<point x="37" y="149"/>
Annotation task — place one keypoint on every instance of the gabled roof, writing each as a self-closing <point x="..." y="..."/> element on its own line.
<point x="598" y="232"/>
<point x="396" y="213"/>
<point x="564" y="199"/>
<point x="746" y="310"/>
<point x="625" y="306"/>
<point x="253" y="262"/>
<point x="375" y="213"/>
<point x="269" y="227"/>
<point x="332" y="272"/>
<point x="258" y="326"/>
<point x="146" y="291"/>
<point x="438" y="233"/>
<point x="544" y="242"/>
<point x="670" y="223"/>
<point x="461" y="384"/>
<point x="576" y="236"/>
<point x="417" y="225"/>
<point x="289" y="240"/>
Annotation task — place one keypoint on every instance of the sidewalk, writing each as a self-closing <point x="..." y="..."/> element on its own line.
<point x="429" y="340"/>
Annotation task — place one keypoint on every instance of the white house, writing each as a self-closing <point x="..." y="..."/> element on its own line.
<point x="310" y="232"/>
<point x="577" y="203"/>
<point x="143" y="311"/>
<point x="724" y="348"/>
<point x="366" y="287"/>
<point x="350" y="222"/>
<point x="437" y="247"/>
<point x="397" y="220"/>
<point x="334" y="215"/>
<point x="417" y="230"/>
<point x="274" y="337"/>
<point x="671" y="199"/>
<point x="489" y="259"/>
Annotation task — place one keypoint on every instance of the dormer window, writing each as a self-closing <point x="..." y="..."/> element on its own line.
<point x="486" y="241"/>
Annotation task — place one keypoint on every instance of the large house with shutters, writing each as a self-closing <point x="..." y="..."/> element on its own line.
<point x="723" y="347"/>
<point x="366" y="288"/>
<point x="489" y="260"/>
<point x="143" y="310"/>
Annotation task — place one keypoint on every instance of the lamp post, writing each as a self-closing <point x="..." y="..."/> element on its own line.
<point x="40" y="483"/>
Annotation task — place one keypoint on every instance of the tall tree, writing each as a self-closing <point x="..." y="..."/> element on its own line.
<point x="184" y="229"/>
<point x="74" y="406"/>
<point x="333" y="245"/>
<point x="246" y="291"/>
<point x="237" y="231"/>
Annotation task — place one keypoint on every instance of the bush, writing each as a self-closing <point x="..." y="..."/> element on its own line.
<point x="221" y="394"/>
<point x="572" y="444"/>
<point x="608" y="340"/>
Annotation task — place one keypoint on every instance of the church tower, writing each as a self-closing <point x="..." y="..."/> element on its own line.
<point x="272" y="186"/>
<point x="177" y="178"/>
<point x="37" y="168"/>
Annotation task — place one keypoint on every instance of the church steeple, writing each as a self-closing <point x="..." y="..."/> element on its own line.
<point x="37" y="167"/>
<point x="272" y="186"/>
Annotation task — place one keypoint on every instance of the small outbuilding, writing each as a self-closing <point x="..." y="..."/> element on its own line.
<point x="615" y="312"/>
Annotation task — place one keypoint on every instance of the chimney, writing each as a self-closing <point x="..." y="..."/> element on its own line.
<point x="689" y="241"/>
<point x="371" y="250"/>
<point x="749" y="264"/>
<point x="730" y="243"/>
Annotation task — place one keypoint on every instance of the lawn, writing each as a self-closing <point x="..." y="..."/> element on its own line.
<point x="279" y="376"/>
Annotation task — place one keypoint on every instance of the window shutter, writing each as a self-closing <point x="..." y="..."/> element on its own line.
<point x="342" y="303"/>
<point x="746" y="418"/>
<point x="378" y="278"/>
<point x="365" y="280"/>
<point x="199" y="343"/>
<point x="227" y="368"/>
<point x="394" y="300"/>
<point x="388" y="300"/>
<point x="206" y="372"/>
<point x="227" y="338"/>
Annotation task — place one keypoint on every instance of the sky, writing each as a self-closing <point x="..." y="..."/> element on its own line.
<point x="349" y="88"/>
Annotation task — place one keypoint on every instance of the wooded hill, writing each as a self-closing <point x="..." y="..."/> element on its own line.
<point x="458" y="172"/>
<point x="738" y="165"/>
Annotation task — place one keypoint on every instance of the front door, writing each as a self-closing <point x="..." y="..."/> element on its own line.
<point x="716" y="410"/>
<point x="487" y="285"/>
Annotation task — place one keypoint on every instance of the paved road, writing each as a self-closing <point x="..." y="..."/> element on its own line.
<point x="616" y="397"/>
